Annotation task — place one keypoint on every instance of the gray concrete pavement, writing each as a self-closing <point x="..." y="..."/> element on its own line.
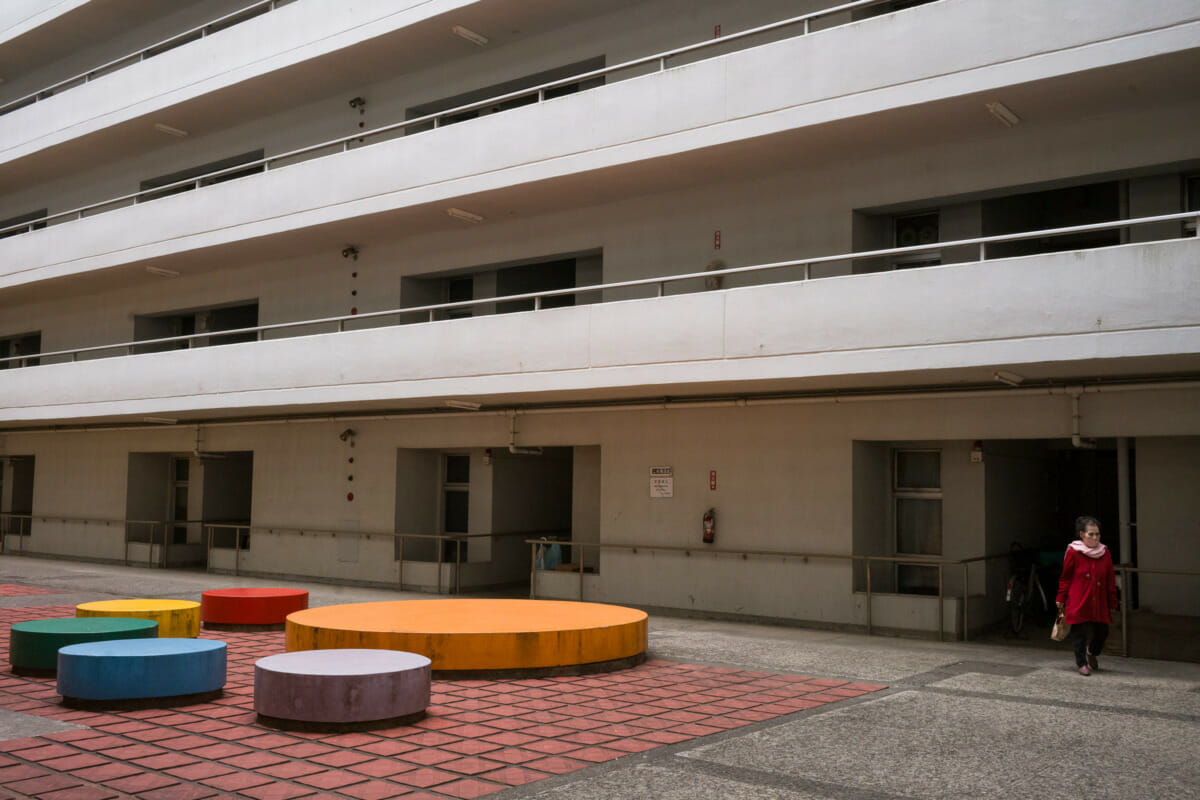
<point x="973" y="720"/>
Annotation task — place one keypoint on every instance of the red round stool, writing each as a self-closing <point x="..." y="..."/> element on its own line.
<point x="252" y="608"/>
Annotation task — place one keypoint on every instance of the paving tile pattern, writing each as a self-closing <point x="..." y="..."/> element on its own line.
<point x="479" y="736"/>
<point x="18" y="590"/>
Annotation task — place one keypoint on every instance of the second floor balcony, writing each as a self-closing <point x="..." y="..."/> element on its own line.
<point x="1110" y="314"/>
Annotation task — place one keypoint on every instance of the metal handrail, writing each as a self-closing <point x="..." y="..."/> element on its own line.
<point x="459" y="540"/>
<point x="940" y="563"/>
<point x="1125" y="569"/>
<point x="660" y="282"/>
<point x="135" y="57"/>
<point x="926" y="561"/>
<point x="539" y="91"/>
<point x="209" y="528"/>
<point x="24" y="525"/>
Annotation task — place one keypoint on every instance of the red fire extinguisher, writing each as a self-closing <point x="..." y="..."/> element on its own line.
<point x="710" y="525"/>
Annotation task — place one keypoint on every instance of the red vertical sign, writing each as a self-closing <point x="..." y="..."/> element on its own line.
<point x="712" y="479"/>
<point x="716" y="240"/>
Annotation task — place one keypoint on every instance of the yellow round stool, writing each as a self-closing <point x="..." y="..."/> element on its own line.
<point x="177" y="619"/>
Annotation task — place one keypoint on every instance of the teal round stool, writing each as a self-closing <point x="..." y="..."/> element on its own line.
<point x="33" y="645"/>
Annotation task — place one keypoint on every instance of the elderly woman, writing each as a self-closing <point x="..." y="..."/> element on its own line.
<point x="1087" y="593"/>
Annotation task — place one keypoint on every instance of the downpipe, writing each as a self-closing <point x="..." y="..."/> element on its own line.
<point x="1076" y="441"/>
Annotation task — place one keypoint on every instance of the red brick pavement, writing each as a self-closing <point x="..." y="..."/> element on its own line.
<point x="17" y="590"/>
<point x="479" y="736"/>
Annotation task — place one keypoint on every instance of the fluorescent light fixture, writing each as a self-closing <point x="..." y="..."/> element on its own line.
<point x="1002" y="113"/>
<point x="162" y="272"/>
<point x="470" y="35"/>
<point x="465" y="405"/>
<point x="1011" y="378"/>
<point x="167" y="129"/>
<point x="160" y="420"/>
<point x="465" y="216"/>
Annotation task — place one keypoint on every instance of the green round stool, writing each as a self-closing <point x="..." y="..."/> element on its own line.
<point x="33" y="645"/>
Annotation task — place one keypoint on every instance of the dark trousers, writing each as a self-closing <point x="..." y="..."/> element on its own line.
<point x="1089" y="638"/>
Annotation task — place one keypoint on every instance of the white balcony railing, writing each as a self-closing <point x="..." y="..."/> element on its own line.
<point x="170" y="43"/>
<point x="659" y="285"/>
<point x="802" y="23"/>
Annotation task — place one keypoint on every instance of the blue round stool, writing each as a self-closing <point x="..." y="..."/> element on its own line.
<point x="140" y="669"/>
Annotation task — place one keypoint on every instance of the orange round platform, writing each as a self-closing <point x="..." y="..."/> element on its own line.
<point x="478" y="634"/>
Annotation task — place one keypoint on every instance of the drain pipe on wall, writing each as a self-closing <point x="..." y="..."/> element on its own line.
<point x="1076" y="441"/>
<point x="512" y="439"/>
<point x="1123" y="495"/>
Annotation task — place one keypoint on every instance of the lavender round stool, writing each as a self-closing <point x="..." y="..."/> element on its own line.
<point x="341" y="689"/>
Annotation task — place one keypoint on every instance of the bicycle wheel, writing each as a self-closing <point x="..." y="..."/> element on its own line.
<point x="1016" y="609"/>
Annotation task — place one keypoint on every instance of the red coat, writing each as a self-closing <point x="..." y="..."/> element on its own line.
<point x="1088" y="587"/>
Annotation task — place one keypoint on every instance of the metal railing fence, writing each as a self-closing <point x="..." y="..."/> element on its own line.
<point x="804" y="557"/>
<point x="242" y="534"/>
<point x="17" y="525"/>
<point x="1125" y="570"/>
<point x="798" y="555"/>
<point x="343" y="144"/>
<point x="660" y="283"/>
<point x="171" y="42"/>
<point x="154" y="533"/>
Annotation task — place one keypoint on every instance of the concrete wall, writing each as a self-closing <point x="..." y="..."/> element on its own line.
<point x="1038" y="309"/>
<point x="1168" y="522"/>
<point x="531" y="493"/>
<point x="417" y="499"/>
<point x="55" y="41"/>
<point x="585" y="501"/>
<point x="536" y="143"/>
<point x="786" y="481"/>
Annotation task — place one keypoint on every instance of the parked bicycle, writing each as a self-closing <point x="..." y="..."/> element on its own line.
<point x="1032" y="585"/>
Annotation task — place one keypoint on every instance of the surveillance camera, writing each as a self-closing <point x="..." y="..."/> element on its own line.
<point x="350" y="252"/>
<point x="357" y="102"/>
<point x="346" y="434"/>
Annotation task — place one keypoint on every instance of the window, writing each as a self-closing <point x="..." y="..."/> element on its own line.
<point x="1054" y="208"/>
<point x="25" y="344"/>
<point x="456" y="496"/>
<point x="529" y="278"/>
<point x="205" y="320"/>
<point x="202" y="169"/>
<point x="1191" y="202"/>
<point x="886" y="8"/>
<point x="917" y="230"/>
<point x="23" y="219"/>
<point x="917" y="512"/>
<point x="495" y="90"/>
<point x="457" y="291"/>
<point x="18" y="519"/>
<point x="180" y="470"/>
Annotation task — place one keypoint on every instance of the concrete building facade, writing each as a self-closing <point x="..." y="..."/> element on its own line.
<point x="377" y="296"/>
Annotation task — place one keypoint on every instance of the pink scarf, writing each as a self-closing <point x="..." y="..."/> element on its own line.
<point x="1090" y="552"/>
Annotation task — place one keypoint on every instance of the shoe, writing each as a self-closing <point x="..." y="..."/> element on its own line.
<point x="1084" y="670"/>
<point x="1091" y="662"/>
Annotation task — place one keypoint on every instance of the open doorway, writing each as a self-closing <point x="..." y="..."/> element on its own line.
<point x="16" y="501"/>
<point x="176" y="502"/>
<point x="1036" y="488"/>
<point x="492" y="500"/>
